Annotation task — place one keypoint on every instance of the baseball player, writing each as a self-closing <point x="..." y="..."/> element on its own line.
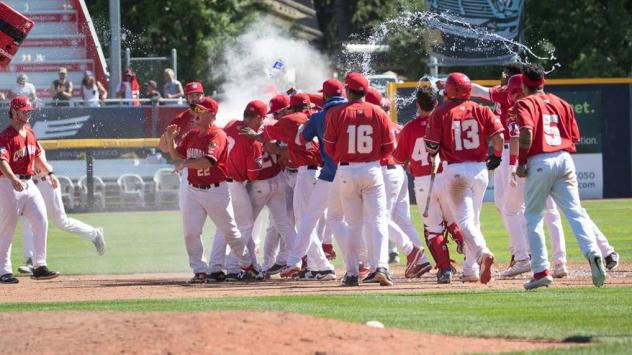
<point x="411" y="149"/>
<point x="357" y="136"/>
<point x="185" y="121"/>
<point x="459" y="129"/>
<point x="55" y="210"/>
<point x="514" y="203"/>
<point x="304" y="161"/>
<point x="203" y="151"/>
<point x="548" y="132"/>
<point x="417" y="263"/>
<point x="20" y="155"/>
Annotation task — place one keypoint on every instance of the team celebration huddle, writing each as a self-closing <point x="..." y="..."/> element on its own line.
<point x="333" y="166"/>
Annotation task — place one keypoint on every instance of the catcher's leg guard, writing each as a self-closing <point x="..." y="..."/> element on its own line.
<point x="438" y="249"/>
<point x="456" y="234"/>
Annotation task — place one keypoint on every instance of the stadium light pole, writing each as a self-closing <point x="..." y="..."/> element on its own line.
<point x="115" y="46"/>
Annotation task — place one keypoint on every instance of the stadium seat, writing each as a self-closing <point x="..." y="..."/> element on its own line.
<point x="167" y="185"/>
<point x="99" y="191"/>
<point x="67" y="191"/>
<point x="132" y="190"/>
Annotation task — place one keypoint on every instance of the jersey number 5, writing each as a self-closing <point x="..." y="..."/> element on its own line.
<point x="551" y="132"/>
<point x="470" y="128"/>
<point x="360" y="140"/>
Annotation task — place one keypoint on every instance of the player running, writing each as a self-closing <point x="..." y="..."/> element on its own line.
<point x="20" y="154"/>
<point x="459" y="130"/>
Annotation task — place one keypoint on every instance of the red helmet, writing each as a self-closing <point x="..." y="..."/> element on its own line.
<point x="458" y="86"/>
<point x="514" y="87"/>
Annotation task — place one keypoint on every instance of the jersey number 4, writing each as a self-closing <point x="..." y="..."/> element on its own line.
<point x="360" y="140"/>
<point x="470" y="128"/>
<point x="420" y="153"/>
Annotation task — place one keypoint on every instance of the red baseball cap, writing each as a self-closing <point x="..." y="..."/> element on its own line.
<point x="257" y="107"/>
<point x="209" y="104"/>
<point x="278" y="103"/>
<point x="194" y="86"/>
<point x="356" y="82"/>
<point x="332" y="87"/>
<point x="373" y="96"/>
<point x="299" y="99"/>
<point x="21" y="103"/>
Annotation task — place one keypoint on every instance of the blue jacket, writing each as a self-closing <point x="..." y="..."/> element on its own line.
<point x="315" y="127"/>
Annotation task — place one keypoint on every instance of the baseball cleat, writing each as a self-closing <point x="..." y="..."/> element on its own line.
<point x="541" y="281"/>
<point x="99" y="242"/>
<point x="27" y="268"/>
<point x="383" y="277"/>
<point x="597" y="269"/>
<point x="444" y="276"/>
<point x="487" y="260"/>
<point x="198" y="278"/>
<point x="350" y="281"/>
<point x="612" y="261"/>
<point x="326" y="275"/>
<point x="420" y="269"/>
<point x="393" y="258"/>
<point x="519" y="267"/>
<point x="214" y="277"/>
<point x="330" y="253"/>
<point x="369" y="279"/>
<point x="306" y="275"/>
<point x="8" y="279"/>
<point x="468" y="278"/>
<point x="559" y="270"/>
<point x="275" y="269"/>
<point x="290" y="271"/>
<point x="43" y="273"/>
<point x="233" y="277"/>
<point x="411" y="262"/>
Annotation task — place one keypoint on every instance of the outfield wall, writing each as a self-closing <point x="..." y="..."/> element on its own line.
<point x="603" y="108"/>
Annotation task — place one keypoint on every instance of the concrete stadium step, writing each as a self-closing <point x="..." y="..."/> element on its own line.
<point x="39" y="5"/>
<point x="70" y="40"/>
<point x="47" y="54"/>
<point x="58" y="22"/>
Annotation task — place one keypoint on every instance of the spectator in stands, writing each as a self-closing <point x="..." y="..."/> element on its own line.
<point x="24" y="88"/>
<point x="92" y="92"/>
<point x="129" y="88"/>
<point x="2" y="96"/>
<point x="61" y="89"/>
<point x="173" y="88"/>
<point x="151" y="92"/>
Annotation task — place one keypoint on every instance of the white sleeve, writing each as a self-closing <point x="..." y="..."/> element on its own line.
<point x="481" y="92"/>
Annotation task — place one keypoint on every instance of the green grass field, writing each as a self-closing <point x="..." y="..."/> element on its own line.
<point x="152" y="242"/>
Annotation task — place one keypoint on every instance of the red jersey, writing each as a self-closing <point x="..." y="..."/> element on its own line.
<point x="462" y="129"/>
<point x="20" y="152"/>
<point x="288" y="130"/>
<point x="264" y="165"/>
<point x="412" y="147"/>
<point x="552" y="122"/>
<point x="358" y="132"/>
<point x="388" y="159"/>
<point x="211" y="143"/>
<point x="184" y="120"/>
<point x="500" y="96"/>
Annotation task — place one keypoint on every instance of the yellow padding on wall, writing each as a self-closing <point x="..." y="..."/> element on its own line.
<point x="100" y="143"/>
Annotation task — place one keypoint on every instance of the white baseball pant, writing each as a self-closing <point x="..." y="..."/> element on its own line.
<point x="554" y="174"/>
<point x="393" y="182"/>
<point x="402" y="217"/>
<point x="465" y="185"/>
<point x="57" y="213"/>
<point x="216" y="204"/>
<point x="307" y="241"/>
<point x="602" y="242"/>
<point x="363" y="198"/>
<point x="275" y="250"/>
<point x="30" y="203"/>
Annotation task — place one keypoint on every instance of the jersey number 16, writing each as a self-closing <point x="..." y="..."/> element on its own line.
<point x="360" y="140"/>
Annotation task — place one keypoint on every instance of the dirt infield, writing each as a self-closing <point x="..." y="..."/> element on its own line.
<point x="225" y="333"/>
<point x="170" y="286"/>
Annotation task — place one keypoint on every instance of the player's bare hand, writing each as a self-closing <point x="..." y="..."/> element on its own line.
<point x="54" y="182"/>
<point x="248" y="132"/>
<point x="172" y="131"/>
<point x="513" y="181"/>
<point x="180" y="165"/>
<point x="521" y="171"/>
<point x="17" y="185"/>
